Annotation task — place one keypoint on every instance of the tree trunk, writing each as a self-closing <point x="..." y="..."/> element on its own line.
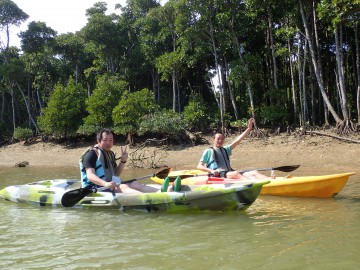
<point x="213" y="88"/>
<point x="318" y="75"/>
<point x="318" y="52"/>
<point x="174" y="90"/>
<point x="178" y="94"/>
<point x="312" y="89"/>
<point x="272" y="49"/>
<point x="231" y="92"/>
<point x="300" y="56"/>
<point x="340" y="72"/>
<point x="13" y="108"/>
<point x="293" y="91"/>
<point x="246" y="71"/>
<point x="357" y="50"/>
<point x="28" y="109"/>
<point x="303" y="79"/>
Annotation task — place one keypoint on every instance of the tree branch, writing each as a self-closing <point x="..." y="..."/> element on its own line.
<point x="332" y="136"/>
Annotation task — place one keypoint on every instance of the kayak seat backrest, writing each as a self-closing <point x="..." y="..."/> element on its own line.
<point x="185" y="188"/>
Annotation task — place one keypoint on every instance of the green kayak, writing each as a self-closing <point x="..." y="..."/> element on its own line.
<point x="222" y="197"/>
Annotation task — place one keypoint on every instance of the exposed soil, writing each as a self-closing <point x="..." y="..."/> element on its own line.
<point x="313" y="152"/>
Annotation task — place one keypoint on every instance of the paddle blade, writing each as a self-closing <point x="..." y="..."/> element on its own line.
<point x="163" y="173"/>
<point x="72" y="197"/>
<point x="288" y="168"/>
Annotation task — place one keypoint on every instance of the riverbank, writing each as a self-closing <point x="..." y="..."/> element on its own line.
<point x="312" y="152"/>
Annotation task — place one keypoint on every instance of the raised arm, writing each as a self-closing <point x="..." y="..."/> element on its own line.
<point x="243" y="135"/>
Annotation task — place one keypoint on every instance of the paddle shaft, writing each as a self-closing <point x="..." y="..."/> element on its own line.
<point x="287" y="168"/>
<point x="261" y="169"/>
<point x="163" y="173"/>
<point x="129" y="181"/>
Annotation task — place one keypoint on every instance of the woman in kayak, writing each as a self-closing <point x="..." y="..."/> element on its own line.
<point x="215" y="160"/>
<point x="99" y="169"/>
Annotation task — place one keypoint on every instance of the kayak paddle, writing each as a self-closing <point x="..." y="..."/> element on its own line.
<point x="72" y="197"/>
<point x="287" y="168"/>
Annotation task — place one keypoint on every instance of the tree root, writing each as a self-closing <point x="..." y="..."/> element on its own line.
<point x="345" y="127"/>
<point x="258" y="133"/>
<point x="332" y="136"/>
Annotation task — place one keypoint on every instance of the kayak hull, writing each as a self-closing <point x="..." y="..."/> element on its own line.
<point x="323" y="186"/>
<point x="192" y="198"/>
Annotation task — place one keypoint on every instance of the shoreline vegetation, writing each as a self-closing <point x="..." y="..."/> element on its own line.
<point x="261" y="59"/>
<point x="314" y="152"/>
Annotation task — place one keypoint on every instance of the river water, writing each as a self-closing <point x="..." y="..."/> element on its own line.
<point x="274" y="233"/>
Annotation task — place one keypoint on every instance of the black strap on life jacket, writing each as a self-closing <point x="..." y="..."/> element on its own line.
<point x="225" y="156"/>
<point x="109" y="154"/>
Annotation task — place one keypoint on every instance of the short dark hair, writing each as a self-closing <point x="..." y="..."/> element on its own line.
<point x="220" y="133"/>
<point x="99" y="135"/>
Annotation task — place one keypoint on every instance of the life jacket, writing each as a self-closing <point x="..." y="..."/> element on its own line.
<point x="224" y="155"/>
<point x="104" y="167"/>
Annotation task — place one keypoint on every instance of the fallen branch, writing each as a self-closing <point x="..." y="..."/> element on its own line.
<point x="332" y="136"/>
<point x="143" y="157"/>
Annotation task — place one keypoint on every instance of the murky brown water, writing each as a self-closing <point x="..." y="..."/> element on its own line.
<point x="274" y="233"/>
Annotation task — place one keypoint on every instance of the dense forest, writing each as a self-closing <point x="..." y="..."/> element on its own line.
<point x="184" y="66"/>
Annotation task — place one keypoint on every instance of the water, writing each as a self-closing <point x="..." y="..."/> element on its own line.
<point x="274" y="233"/>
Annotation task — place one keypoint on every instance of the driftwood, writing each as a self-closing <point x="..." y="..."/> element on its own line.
<point x="332" y="136"/>
<point x="153" y="157"/>
<point x="21" y="164"/>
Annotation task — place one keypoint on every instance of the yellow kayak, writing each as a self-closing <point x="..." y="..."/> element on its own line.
<point x="322" y="186"/>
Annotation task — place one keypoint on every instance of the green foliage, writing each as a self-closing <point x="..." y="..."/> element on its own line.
<point x="172" y="48"/>
<point x="131" y="108"/>
<point x="216" y="120"/>
<point x="63" y="114"/>
<point x="274" y="114"/>
<point x="11" y="14"/>
<point x="337" y="11"/>
<point x="37" y="37"/>
<point x="196" y="114"/>
<point x="101" y="104"/>
<point x="241" y="123"/>
<point x="22" y="133"/>
<point x="162" y="122"/>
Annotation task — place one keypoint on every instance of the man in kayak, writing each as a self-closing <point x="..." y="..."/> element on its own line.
<point x="99" y="169"/>
<point x="215" y="160"/>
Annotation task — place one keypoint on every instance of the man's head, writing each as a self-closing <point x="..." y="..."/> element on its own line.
<point x="105" y="139"/>
<point x="219" y="140"/>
